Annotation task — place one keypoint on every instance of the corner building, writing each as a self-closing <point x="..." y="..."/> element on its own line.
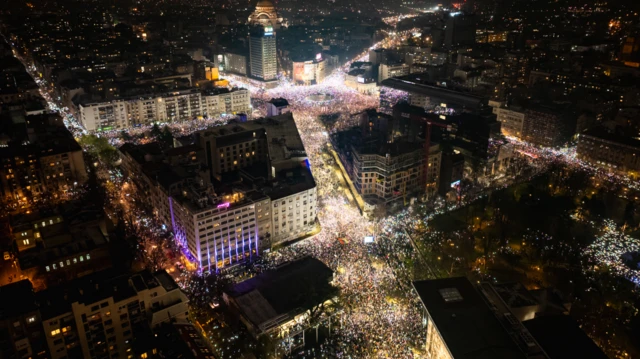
<point x="235" y="191"/>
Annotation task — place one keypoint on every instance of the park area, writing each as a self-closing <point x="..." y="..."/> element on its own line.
<point x="563" y="230"/>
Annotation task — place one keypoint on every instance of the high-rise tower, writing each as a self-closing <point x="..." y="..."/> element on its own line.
<point x="262" y="53"/>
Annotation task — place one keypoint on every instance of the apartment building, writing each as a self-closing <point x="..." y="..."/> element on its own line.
<point x="546" y="126"/>
<point x="20" y="322"/>
<point x="512" y="121"/>
<point x="162" y="107"/>
<point x="384" y="171"/>
<point x="61" y="244"/>
<point x="615" y="153"/>
<point x="99" y="316"/>
<point x="230" y="148"/>
<point x="221" y="101"/>
<point x="221" y="194"/>
<point x="293" y="205"/>
<point x="41" y="158"/>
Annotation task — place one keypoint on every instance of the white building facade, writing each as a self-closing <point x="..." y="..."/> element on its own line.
<point x="166" y="107"/>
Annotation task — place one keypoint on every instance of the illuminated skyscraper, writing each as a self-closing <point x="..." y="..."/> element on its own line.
<point x="262" y="53"/>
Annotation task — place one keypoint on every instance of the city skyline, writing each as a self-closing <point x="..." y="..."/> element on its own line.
<point x="337" y="179"/>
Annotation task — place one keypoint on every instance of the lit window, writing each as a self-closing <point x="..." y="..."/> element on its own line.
<point x="55" y="332"/>
<point x="26" y="242"/>
<point x="81" y="259"/>
<point x="88" y="256"/>
<point x="31" y="320"/>
<point x="48" y="268"/>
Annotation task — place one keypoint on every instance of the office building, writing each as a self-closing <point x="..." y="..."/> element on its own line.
<point x="262" y="53"/>
<point x="237" y="190"/>
<point x="386" y="71"/>
<point x="614" y="153"/>
<point x="511" y="121"/>
<point x="500" y="321"/>
<point x="308" y="71"/>
<point x="548" y="126"/>
<point x="385" y="160"/>
<point x="461" y="324"/>
<point x="235" y="63"/>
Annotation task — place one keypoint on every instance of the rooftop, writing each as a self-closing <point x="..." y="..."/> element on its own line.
<point x="465" y="321"/>
<point x="604" y="135"/>
<point x="561" y="337"/>
<point x="285" y="291"/>
<point x="17" y="299"/>
<point x="96" y="287"/>
<point x="414" y="84"/>
<point x="279" y="102"/>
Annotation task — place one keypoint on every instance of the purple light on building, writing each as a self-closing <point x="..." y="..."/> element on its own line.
<point x="229" y="242"/>
<point x="224" y="205"/>
<point x="216" y="254"/>
<point x="242" y="242"/>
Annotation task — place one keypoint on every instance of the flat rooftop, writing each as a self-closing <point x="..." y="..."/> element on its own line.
<point x="285" y="291"/>
<point x="412" y="84"/>
<point x="464" y="320"/>
<point x="561" y="337"/>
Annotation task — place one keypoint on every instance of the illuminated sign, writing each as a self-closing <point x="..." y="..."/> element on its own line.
<point x="224" y="205"/>
<point x="268" y="31"/>
<point x="455" y="184"/>
<point x="368" y="239"/>
<point x="361" y="79"/>
<point x="319" y="57"/>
